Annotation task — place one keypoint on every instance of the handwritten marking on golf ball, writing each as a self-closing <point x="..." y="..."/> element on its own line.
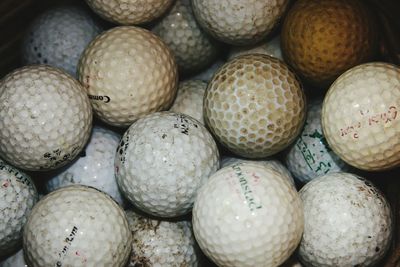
<point x="384" y="118"/>
<point x="68" y="240"/>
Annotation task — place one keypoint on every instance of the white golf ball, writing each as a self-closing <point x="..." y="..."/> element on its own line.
<point x="58" y="37"/>
<point x="46" y="118"/>
<point x="77" y="226"/>
<point x="95" y="166"/>
<point x="161" y="243"/>
<point x="18" y="196"/>
<point x="248" y="215"/>
<point x="310" y="156"/>
<point x="348" y="222"/>
<point x="162" y="160"/>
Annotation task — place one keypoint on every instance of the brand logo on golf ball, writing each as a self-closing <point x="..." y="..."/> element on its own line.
<point x="68" y="241"/>
<point x="184" y="124"/>
<point x="16" y="174"/>
<point x="368" y="120"/>
<point x="246" y="189"/>
<point x="102" y="98"/>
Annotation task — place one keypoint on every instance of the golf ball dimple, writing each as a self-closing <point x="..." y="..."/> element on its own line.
<point x="269" y="163"/>
<point x="18" y="196"/>
<point x="58" y="37"/>
<point x="128" y="72"/>
<point x="46" y="118"/>
<point x="360" y="116"/>
<point x="255" y="106"/>
<point x="130" y="12"/>
<point x="77" y="225"/>
<point x="95" y="167"/>
<point x="310" y="156"/>
<point x="189" y="99"/>
<point x="162" y="160"/>
<point x="191" y="46"/>
<point x="248" y="215"/>
<point x="161" y="243"/>
<point x="348" y="222"/>
<point x="240" y="22"/>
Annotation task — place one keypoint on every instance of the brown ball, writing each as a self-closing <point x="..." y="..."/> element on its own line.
<point x="321" y="39"/>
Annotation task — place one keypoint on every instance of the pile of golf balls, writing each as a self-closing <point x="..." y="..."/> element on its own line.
<point x="191" y="133"/>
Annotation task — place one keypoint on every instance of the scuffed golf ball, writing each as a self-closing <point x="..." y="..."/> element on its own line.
<point x="162" y="160"/>
<point x="46" y="118"/>
<point x="248" y="215"/>
<point x="348" y="222"/>
<point x="77" y="226"/>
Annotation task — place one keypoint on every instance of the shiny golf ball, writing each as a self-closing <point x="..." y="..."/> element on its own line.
<point x="77" y="225"/>
<point x="46" y="118"/>
<point x="348" y="222"/>
<point x="18" y="196"/>
<point x="95" y="166"/>
<point x="255" y="106"/>
<point x="360" y="116"/>
<point x="310" y="156"/>
<point x="128" y="72"/>
<point x="162" y="160"/>
<point x="248" y="215"/>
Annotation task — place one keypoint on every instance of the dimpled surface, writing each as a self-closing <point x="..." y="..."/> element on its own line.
<point x="269" y="163"/>
<point x="193" y="49"/>
<point x="77" y="226"/>
<point x="46" y="118"/>
<point x="95" y="167"/>
<point x="248" y="215"/>
<point x="348" y="222"/>
<point x="161" y="243"/>
<point x="254" y="105"/>
<point x="322" y="39"/>
<point x="162" y="160"/>
<point x="128" y="72"/>
<point x="190" y="97"/>
<point x="241" y="21"/>
<point x="310" y="156"/>
<point x="271" y="48"/>
<point x="15" y="260"/>
<point x="129" y="12"/>
<point x="18" y="195"/>
<point x="58" y="37"/>
<point x="360" y="116"/>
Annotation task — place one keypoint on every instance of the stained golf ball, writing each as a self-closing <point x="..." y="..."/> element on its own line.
<point x="240" y="22"/>
<point x="255" y="106"/>
<point x="18" y="196"/>
<point x="77" y="225"/>
<point x="161" y="243"/>
<point x="46" y="118"/>
<point x="58" y="37"/>
<point x="323" y="39"/>
<point x="360" y="116"/>
<point x="248" y="215"/>
<point x="128" y="72"/>
<point x="189" y="99"/>
<point x="130" y="12"/>
<point x="95" y="166"/>
<point x="348" y="222"/>
<point x="310" y="156"/>
<point x="192" y="47"/>
<point x="162" y="160"/>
